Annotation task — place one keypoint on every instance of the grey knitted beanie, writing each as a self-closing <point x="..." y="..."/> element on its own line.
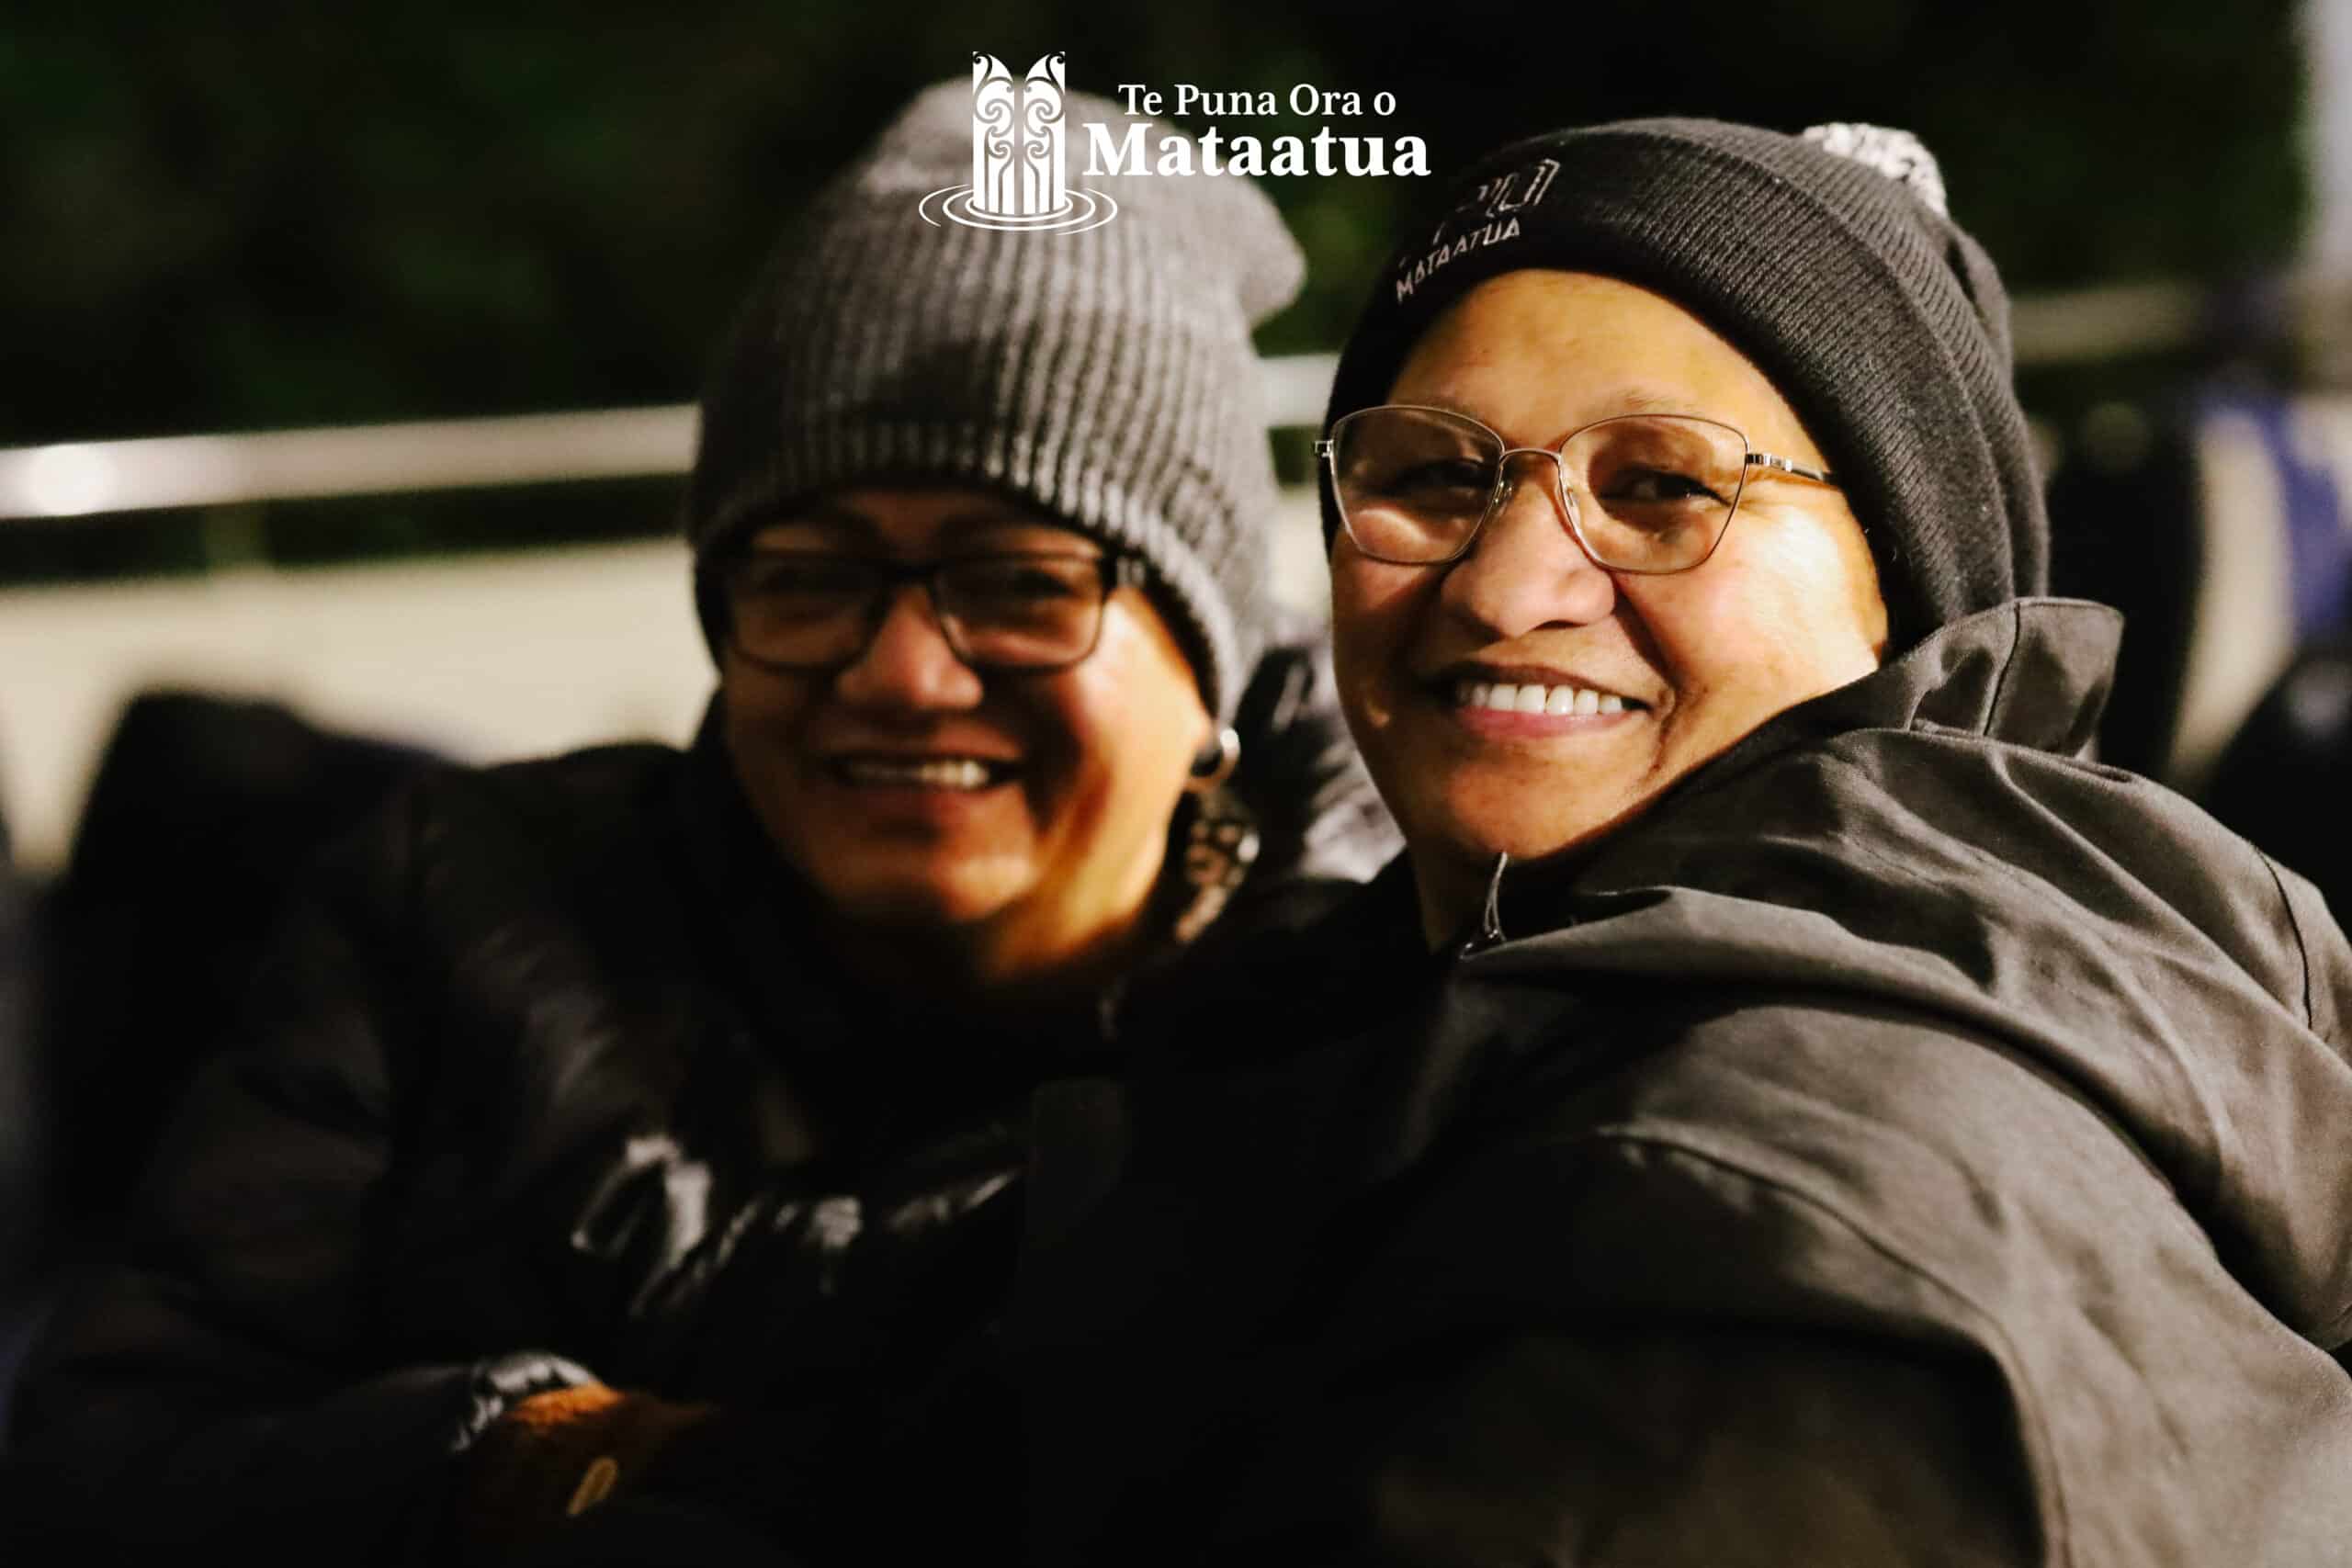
<point x="1103" y="375"/>
<point x="1829" y="260"/>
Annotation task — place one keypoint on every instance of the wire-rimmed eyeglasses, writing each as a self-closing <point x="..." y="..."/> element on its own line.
<point x="1415" y="485"/>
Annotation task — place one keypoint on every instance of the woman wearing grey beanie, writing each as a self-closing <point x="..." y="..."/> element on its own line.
<point x="1786" y="1106"/>
<point x="597" y="1111"/>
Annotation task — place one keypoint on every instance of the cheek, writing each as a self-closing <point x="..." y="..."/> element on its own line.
<point x="1068" y="721"/>
<point x="1817" y="604"/>
<point x="1123" y="727"/>
<point x="1761" y="629"/>
<point x="1375" y="611"/>
<point x="761" y="710"/>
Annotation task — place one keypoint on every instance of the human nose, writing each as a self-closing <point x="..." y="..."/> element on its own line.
<point x="907" y="662"/>
<point x="1526" y="568"/>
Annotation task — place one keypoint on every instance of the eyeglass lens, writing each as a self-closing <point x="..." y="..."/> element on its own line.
<point x="1647" y="492"/>
<point x="808" y="610"/>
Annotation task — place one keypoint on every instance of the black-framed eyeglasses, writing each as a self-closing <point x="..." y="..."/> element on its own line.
<point x="1641" y="492"/>
<point x="1008" y="610"/>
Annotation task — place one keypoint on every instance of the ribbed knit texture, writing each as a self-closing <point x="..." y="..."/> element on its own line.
<point x="1105" y="377"/>
<point x="1882" y="323"/>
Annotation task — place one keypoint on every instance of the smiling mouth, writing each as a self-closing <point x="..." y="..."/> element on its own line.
<point x="954" y="773"/>
<point x="1558" y="701"/>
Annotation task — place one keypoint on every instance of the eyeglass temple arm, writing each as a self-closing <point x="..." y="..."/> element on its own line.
<point x="1781" y="464"/>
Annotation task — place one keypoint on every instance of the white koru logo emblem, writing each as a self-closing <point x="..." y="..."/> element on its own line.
<point x="1020" y="156"/>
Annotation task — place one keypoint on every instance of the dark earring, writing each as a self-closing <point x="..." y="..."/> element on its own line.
<point x="1215" y="761"/>
<point x="1221" y="839"/>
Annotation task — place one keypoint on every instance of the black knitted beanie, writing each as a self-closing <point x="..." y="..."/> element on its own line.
<point x="1106" y="374"/>
<point x="1826" y="258"/>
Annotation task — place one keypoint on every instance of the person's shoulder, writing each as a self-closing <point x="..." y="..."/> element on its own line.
<point x="2027" y="830"/>
<point x="595" y="783"/>
<point x="489" y="834"/>
<point x="595" y="789"/>
<point x="1290" y="963"/>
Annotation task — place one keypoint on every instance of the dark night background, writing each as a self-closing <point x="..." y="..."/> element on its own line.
<point x="258" y="215"/>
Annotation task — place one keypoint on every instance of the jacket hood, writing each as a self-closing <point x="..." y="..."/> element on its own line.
<point x="1931" y="838"/>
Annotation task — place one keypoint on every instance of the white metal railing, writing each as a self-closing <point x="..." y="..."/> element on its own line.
<point x="92" y="478"/>
<point x="87" y="478"/>
<point x="79" y="479"/>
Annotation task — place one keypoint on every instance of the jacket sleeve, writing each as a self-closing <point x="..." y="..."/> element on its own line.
<point x="1595" y="1353"/>
<point x="218" y="1373"/>
<point x="1690" y="1446"/>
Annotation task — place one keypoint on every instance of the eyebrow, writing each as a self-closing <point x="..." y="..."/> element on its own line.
<point x="1623" y="399"/>
<point x="839" y="519"/>
<point x="835" y="517"/>
<point x="1642" y="399"/>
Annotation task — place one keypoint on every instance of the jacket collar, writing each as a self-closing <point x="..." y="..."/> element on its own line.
<point x="2032" y="672"/>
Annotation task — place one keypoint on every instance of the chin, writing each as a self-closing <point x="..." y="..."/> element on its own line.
<point x="925" y="896"/>
<point x="1479" y="837"/>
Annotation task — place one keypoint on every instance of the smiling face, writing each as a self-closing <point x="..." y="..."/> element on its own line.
<point x="1639" y="678"/>
<point x="1019" y="818"/>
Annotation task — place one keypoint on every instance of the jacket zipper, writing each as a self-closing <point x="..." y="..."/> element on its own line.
<point x="1490" y="920"/>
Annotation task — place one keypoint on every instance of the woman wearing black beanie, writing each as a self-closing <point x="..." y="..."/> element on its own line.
<point x="1786" y="1106"/>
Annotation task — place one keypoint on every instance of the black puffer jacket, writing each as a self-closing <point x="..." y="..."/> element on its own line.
<point x="1907" y="1143"/>
<point x="544" y="1059"/>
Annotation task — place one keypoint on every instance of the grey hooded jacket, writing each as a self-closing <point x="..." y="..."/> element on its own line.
<point x="1909" y="1143"/>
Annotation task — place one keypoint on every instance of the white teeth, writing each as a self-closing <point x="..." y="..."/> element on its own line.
<point x="949" y="772"/>
<point x="1502" y="696"/>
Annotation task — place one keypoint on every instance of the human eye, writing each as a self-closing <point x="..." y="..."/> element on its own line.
<point x="1420" y="481"/>
<point x="1412" y="465"/>
<point x="1433" y="478"/>
<point x="804" y="583"/>
<point x="1642" y="485"/>
<point x="1654" y="473"/>
<point x="1023" y="581"/>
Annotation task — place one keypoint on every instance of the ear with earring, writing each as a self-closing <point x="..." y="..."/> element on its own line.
<point x="1216" y="761"/>
<point x="1222" y="842"/>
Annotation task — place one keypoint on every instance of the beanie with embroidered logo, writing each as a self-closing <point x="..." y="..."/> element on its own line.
<point x="1829" y="259"/>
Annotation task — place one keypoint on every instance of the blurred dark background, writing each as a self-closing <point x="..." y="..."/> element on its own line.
<point x="275" y="214"/>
